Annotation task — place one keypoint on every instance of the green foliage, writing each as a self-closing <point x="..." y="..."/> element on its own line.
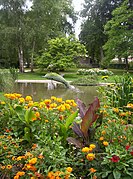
<point x="96" y="14"/>
<point x="60" y="54"/>
<point x="120" y="93"/>
<point x="6" y="80"/>
<point x="119" y="30"/>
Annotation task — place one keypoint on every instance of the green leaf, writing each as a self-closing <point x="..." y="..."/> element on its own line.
<point x="105" y="174"/>
<point x="116" y="174"/>
<point x="27" y="134"/>
<point x="70" y="119"/>
<point x="110" y="176"/>
<point x="29" y="115"/>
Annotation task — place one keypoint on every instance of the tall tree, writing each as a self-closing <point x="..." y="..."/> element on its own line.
<point x="96" y="14"/>
<point x="25" y="32"/>
<point x="49" y="20"/>
<point x="120" y="33"/>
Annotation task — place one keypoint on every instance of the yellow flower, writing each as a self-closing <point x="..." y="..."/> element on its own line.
<point x="33" y="161"/>
<point x="103" y="132"/>
<point x="9" y="167"/>
<point x="67" y="106"/>
<point x="47" y="101"/>
<point x="21" y="100"/>
<point x="105" y="143"/>
<point x="93" y="146"/>
<point x="116" y="110"/>
<point x="31" y="103"/>
<point x="104" y="77"/>
<point x="85" y="149"/>
<point x="92" y="170"/>
<point x="61" y="108"/>
<point x="28" y="98"/>
<point x="46" y="120"/>
<point x="90" y="156"/>
<point x="37" y="114"/>
<point x="53" y="105"/>
<point x="2" y="102"/>
<point x="59" y="100"/>
<point x="101" y="138"/>
<point x="69" y="169"/>
<point x="53" y="98"/>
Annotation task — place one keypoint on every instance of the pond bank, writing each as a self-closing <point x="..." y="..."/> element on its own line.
<point x="47" y="81"/>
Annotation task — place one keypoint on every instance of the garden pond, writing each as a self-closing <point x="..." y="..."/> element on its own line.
<point x="40" y="91"/>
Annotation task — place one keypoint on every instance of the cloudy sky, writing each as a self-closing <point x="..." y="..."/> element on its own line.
<point x="78" y="6"/>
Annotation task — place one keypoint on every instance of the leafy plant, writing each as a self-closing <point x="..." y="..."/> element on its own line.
<point x="86" y="130"/>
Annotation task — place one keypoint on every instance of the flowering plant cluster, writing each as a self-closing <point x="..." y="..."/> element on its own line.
<point x="57" y="139"/>
<point x="94" y="71"/>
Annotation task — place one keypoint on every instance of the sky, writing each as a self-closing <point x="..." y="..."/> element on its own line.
<point x="77" y="4"/>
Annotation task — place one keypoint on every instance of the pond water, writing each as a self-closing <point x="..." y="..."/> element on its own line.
<point x="39" y="91"/>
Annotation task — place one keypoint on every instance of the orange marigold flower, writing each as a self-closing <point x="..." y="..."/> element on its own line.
<point x="20" y="173"/>
<point x="94" y="177"/>
<point x="92" y="170"/>
<point x="90" y="156"/>
<point x="69" y="169"/>
<point x="101" y="138"/>
<point x="16" y="177"/>
<point x="105" y="143"/>
<point x="103" y="132"/>
<point x="33" y="161"/>
<point x="40" y="156"/>
<point x="34" y="146"/>
<point x="3" y="167"/>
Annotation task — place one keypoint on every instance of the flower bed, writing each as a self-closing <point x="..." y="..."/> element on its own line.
<point x="57" y="139"/>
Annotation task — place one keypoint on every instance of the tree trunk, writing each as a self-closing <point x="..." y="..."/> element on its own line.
<point x="21" y="59"/>
<point x="32" y="64"/>
<point x="101" y="53"/>
<point x="126" y="60"/>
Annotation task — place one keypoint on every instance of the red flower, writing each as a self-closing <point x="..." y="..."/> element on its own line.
<point x="115" y="158"/>
<point x="131" y="152"/>
<point x="127" y="147"/>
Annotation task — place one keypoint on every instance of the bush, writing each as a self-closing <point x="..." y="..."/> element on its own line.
<point x="6" y="80"/>
<point x="95" y="71"/>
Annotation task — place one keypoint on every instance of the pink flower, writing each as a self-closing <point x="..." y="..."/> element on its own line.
<point x="115" y="158"/>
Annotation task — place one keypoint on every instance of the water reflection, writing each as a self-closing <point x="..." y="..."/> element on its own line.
<point x="39" y="91"/>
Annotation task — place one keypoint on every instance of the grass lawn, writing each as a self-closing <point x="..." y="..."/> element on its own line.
<point x="71" y="75"/>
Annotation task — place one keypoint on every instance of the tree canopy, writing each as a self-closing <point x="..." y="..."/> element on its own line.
<point x="24" y="32"/>
<point x="96" y="14"/>
<point x="61" y="53"/>
<point x="120" y="33"/>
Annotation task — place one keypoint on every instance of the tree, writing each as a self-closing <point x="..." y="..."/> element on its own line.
<point x="12" y="14"/>
<point x="120" y="33"/>
<point x="60" y="53"/>
<point x="96" y="14"/>
<point x="24" y="32"/>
